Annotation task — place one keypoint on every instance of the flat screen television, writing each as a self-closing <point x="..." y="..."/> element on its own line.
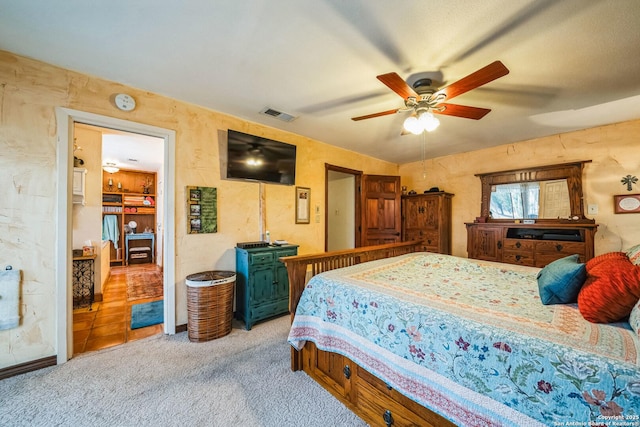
<point x="255" y="158"/>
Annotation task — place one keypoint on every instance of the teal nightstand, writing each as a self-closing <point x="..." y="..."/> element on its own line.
<point x="262" y="284"/>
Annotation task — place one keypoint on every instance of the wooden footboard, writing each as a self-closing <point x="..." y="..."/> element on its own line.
<point x="363" y="393"/>
<point x="302" y="267"/>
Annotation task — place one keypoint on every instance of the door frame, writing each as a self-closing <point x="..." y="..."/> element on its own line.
<point x="357" y="202"/>
<point x="65" y="119"/>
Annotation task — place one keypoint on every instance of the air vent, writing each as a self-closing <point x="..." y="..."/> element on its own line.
<point x="278" y="114"/>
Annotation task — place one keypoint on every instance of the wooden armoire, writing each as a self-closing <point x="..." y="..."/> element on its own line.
<point x="427" y="217"/>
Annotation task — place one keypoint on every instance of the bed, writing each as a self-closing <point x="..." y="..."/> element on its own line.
<point x="415" y="338"/>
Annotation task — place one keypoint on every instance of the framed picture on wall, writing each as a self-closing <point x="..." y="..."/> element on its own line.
<point x="202" y="210"/>
<point x="626" y="203"/>
<point x="303" y="205"/>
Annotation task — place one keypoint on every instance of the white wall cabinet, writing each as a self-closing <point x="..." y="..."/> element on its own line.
<point x="79" y="185"/>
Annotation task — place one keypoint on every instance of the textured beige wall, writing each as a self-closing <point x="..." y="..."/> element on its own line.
<point x="614" y="151"/>
<point x="30" y="91"/>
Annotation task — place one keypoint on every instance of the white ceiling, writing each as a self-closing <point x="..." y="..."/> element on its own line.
<point x="573" y="63"/>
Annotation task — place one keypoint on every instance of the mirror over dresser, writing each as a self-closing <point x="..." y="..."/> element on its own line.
<point x="532" y="216"/>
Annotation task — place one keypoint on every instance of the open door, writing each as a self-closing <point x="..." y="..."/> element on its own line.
<point x="381" y="210"/>
<point x="343" y="212"/>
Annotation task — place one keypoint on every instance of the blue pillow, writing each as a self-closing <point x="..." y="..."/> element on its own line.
<point x="560" y="282"/>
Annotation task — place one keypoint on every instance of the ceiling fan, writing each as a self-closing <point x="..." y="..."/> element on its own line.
<point x="424" y="100"/>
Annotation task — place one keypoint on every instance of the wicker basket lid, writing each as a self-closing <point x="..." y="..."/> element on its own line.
<point x="209" y="278"/>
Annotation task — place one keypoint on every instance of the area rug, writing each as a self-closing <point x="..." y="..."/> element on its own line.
<point x="147" y="314"/>
<point x="144" y="284"/>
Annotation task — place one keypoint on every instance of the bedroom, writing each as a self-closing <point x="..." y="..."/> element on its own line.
<point x="33" y="89"/>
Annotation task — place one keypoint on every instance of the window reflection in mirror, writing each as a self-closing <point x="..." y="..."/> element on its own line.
<point x="530" y="200"/>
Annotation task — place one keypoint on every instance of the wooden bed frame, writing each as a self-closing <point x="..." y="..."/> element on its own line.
<point x="366" y="395"/>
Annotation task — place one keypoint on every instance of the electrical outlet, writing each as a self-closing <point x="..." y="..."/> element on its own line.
<point x="592" y="209"/>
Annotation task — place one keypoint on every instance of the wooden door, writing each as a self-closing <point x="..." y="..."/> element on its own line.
<point x="381" y="219"/>
<point x="554" y="199"/>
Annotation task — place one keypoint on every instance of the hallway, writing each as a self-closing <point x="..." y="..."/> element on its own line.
<point x="109" y="322"/>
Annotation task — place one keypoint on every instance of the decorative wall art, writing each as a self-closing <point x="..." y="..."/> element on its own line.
<point x="202" y="210"/>
<point x="626" y="203"/>
<point x="303" y="202"/>
<point x="629" y="181"/>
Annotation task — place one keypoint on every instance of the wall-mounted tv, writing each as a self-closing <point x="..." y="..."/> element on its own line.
<point x="254" y="158"/>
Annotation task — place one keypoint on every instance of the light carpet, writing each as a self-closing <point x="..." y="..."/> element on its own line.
<point x="243" y="379"/>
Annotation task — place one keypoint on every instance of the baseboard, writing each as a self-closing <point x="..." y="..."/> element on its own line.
<point x="181" y="328"/>
<point x="23" y="368"/>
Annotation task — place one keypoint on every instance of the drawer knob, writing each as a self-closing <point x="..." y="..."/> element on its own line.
<point x="518" y="244"/>
<point x="347" y="371"/>
<point x="388" y="418"/>
<point x="559" y="247"/>
<point x="518" y="257"/>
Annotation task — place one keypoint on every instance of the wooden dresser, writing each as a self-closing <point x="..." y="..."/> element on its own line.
<point x="427" y="217"/>
<point x="534" y="245"/>
<point x="262" y="284"/>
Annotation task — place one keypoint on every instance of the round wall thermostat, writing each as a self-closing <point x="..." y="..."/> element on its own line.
<point x="125" y="102"/>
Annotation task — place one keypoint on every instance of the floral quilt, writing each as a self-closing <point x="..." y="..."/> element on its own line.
<point x="471" y="340"/>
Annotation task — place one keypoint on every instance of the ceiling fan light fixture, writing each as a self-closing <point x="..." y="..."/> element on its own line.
<point x="425" y="122"/>
<point x="428" y="121"/>
<point x="110" y="168"/>
<point x="411" y="124"/>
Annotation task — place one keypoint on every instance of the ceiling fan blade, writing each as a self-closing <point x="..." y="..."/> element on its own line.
<point x="493" y="71"/>
<point x="371" y="116"/>
<point x="398" y="85"/>
<point x="463" y="111"/>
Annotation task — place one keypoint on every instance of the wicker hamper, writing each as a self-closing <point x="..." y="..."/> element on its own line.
<point x="209" y="304"/>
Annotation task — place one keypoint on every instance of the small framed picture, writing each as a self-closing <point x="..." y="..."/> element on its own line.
<point x="626" y="203"/>
<point x="194" y="195"/>
<point x="194" y="210"/>
<point x="303" y="205"/>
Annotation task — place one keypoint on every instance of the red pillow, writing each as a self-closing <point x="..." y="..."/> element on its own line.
<point x="611" y="290"/>
<point x="603" y="258"/>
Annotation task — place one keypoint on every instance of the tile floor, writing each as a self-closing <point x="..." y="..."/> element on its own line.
<point x="109" y="322"/>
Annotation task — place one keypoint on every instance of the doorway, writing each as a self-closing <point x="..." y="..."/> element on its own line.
<point x="119" y="168"/>
<point x="342" y="213"/>
<point x="66" y="118"/>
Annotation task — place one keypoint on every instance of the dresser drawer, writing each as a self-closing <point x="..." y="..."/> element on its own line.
<point x="544" y="259"/>
<point x="431" y="239"/>
<point x="286" y="252"/>
<point x="260" y="258"/>
<point x="519" y="245"/>
<point x="559" y="247"/>
<point x="519" y="258"/>
<point x="382" y="405"/>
